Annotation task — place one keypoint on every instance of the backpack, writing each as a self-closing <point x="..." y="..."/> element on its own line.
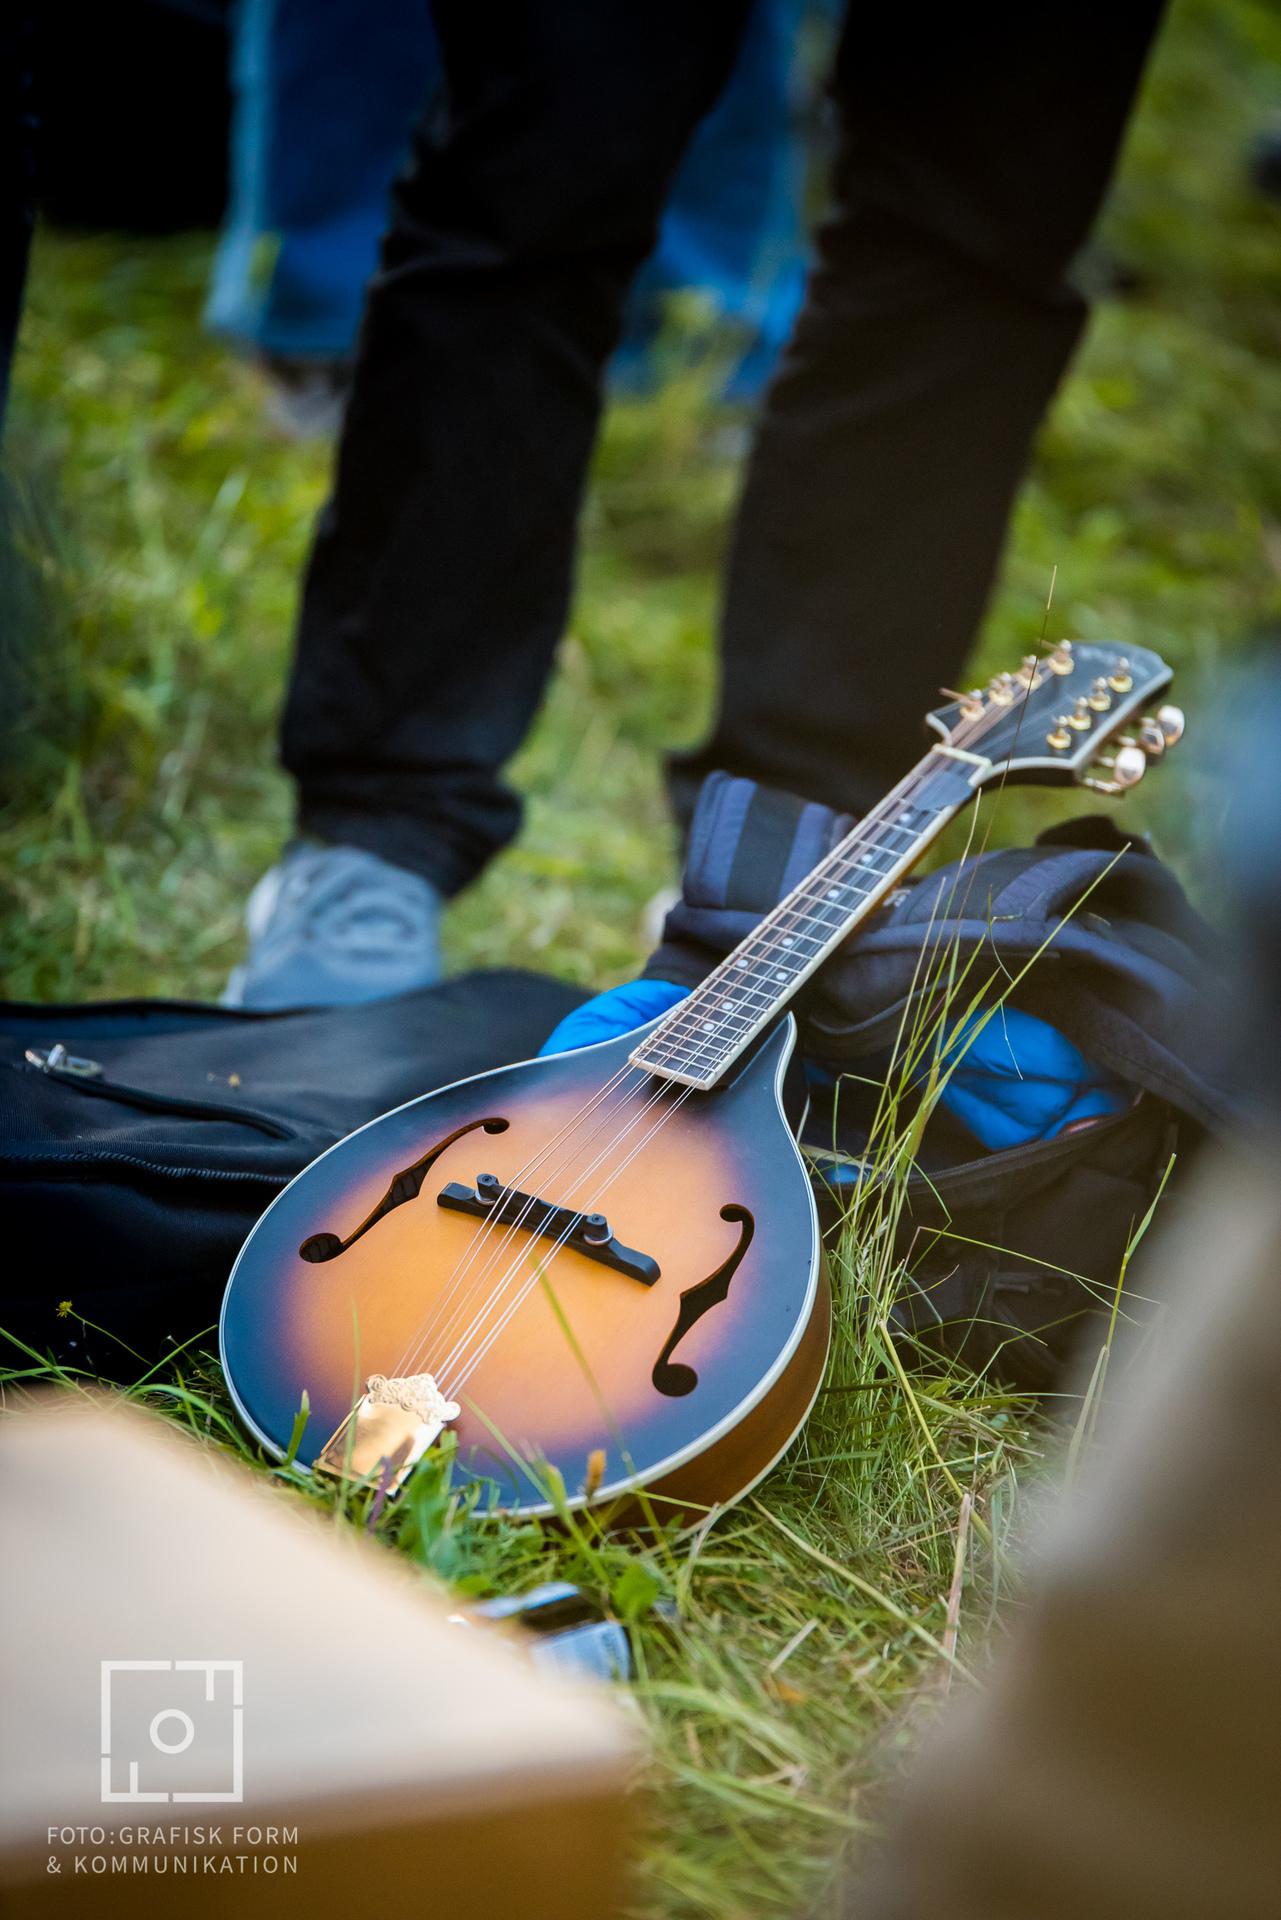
<point x="1013" y="1257"/>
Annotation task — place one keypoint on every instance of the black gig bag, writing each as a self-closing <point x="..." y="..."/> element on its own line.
<point x="141" y="1139"/>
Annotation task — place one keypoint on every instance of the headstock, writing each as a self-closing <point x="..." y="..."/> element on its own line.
<point x="1048" y="721"/>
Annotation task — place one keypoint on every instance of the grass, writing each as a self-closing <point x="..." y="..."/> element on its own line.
<point x="160" y="530"/>
<point x="804" y="1635"/>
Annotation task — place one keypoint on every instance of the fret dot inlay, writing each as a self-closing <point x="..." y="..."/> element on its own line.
<point x="698" y="1041"/>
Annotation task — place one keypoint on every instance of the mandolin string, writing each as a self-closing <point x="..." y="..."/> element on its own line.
<point x="787" y="920"/>
<point x="576" y="1214"/>
<point x="575" y="1217"/>
<point x="726" y="985"/>
<point x="441" y="1317"/>
<point x="469" y="1365"/>
<point x="664" y="1084"/>
<point x="791" y="919"/>
<point x="905" y="793"/>
<point x="428" y="1324"/>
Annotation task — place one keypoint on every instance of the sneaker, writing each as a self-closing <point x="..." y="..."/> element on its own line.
<point x="306" y="398"/>
<point x="332" y="926"/>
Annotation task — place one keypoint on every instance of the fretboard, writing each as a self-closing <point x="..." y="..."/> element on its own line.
<point x="701" y="1037"/>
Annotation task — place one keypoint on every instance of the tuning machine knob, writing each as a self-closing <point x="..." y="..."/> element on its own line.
<point x="1061" y="660"/>
<point x="1121" y="679"/>
<point x="970" y="704"/>
<point x="1126" y="768"/>
<point x="1129" y="764"/>
<point x="1171" y="722"/>
<point x="1081" y="716"/>
<point x="1159" y="730"/>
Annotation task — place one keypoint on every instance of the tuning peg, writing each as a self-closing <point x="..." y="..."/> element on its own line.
<point x="1121" y="679"/>
<point x="971" y="704"/>
<point x="1000" y="689"/>
<point x="1026" y="675"/>
<point x="1061" y="660"/>
<point x="1098" y="698"/>
<point x="1151" y="737"/>
<point x="1058" y="737"/>
<point x="1171" y="722"/>
<point x="1080" y="716"/>
<point x="1127" y="768"/>
<point x="1129" y="764"/>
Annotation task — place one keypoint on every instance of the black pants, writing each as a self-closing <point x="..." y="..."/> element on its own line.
<point x="976" y="143"/>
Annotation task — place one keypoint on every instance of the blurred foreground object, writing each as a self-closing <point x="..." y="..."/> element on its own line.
<point x="420" y="1766"/>
<point x="1122" y="1763"/>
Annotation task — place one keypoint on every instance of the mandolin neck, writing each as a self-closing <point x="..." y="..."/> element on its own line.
<point x="701" y="1038"/>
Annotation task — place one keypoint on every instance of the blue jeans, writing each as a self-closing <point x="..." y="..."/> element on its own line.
<point x="327" y="92"/>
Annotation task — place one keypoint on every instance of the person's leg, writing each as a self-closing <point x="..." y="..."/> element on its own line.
<point x="18" y="207"/>
<point x="974" y="155"/>
<point x="441" y="571"/>
<point x="734" y="229"/>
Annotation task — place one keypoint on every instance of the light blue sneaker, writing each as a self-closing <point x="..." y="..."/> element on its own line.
<point x="332" y="926"/>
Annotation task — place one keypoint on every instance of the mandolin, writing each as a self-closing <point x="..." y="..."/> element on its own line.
<point x="602" y="1270"/>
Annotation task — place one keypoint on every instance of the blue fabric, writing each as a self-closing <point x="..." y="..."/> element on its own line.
<point x="326" y="92"/>
<point x="1018" y="1079"/>
<point x="1013" y="1079"/>
<point x="619" y="1011"/>
<point x="734" y="226"/>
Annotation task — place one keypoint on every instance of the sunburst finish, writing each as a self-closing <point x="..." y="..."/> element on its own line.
<point x="685" y="1361"/>
<point x="556" y="1361"/>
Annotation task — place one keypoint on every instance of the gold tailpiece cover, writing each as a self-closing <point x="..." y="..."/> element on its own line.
<point x="389" y="1429"/>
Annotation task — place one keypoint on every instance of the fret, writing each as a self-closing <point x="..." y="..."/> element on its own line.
<point x="796" y="942"/>
<point x="702" y="1035"/>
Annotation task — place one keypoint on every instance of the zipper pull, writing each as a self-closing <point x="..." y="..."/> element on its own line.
<point x="56" y="1059"/>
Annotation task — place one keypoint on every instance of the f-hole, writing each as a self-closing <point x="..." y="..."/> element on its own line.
<point x="407" y="1185"/>
<point x="674" y="1377"/>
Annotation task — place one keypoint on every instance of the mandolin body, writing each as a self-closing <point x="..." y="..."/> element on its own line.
<point x="679" y="1352"/>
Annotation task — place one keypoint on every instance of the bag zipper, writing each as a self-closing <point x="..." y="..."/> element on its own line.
<point x="104" y="1159"/>
<point x="88" y="1076"/>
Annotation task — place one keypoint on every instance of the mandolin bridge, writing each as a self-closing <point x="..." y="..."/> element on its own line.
<point x="587" y="1233"/>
